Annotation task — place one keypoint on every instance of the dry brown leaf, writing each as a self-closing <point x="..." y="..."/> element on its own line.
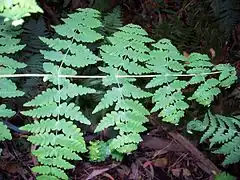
<point x="160" y="162"/>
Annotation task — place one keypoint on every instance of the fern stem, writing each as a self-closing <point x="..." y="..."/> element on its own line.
<point x="102" y="77"/>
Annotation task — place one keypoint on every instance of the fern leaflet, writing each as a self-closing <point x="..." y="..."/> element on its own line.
<point x="221" y="130"/>
<point x="56" y="134"/>
<point x="125" y="54"/>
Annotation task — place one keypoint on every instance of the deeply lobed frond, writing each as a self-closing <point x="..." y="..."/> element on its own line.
<point x="18" y="9"/>
<point x="172" y="67"/>
<point x="59" y="138"/>
<point x="81" y="25"/>
<point x="220" y="130"/>
<point x="126" y="54"/>
<point x="206" y="92"/>
<point x="9" y="44"/>
<point x="5" y="132"/>
<point x="168" y="98"/>
<point x="70" y="111"/>
<point x="53" y="95"/>
<point x="112" y="21"/>
<point x="127" y="49"/>
<point x="98" y="151"/>
<point x="4" y="112"/>
<point x="55" y="149"/>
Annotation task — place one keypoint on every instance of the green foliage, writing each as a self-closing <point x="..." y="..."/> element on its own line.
<point x="59" y="139"/>
<point x="15" y="10"/>
<point x="5" y="132"/>
<point x="227" y="12"/>
<point x="220" y="130"/>
<point x="112" y="21"/>
<point x="171" y="67"/>
<point x="224" y="176"/>
<point x="98" y="151"/>
<point x="32" y="29"/>
<point x="127" y="57"/>
<point x="168" y="97"/>
<point x="190" y="25"/>
<point x="9" y="44"/>
<point x="124" y="55"/>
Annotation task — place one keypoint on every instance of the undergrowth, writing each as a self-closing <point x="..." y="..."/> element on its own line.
<point x="124" y="58"/>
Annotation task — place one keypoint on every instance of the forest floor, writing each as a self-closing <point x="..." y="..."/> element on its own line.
<point x="162" y="155"/>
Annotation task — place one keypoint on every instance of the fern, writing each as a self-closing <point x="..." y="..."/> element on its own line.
<point x="9" y="44"/>
<point x="5" y="132"/>
<point x="55" y="134"/>
<point x="98" y="151"/>
<point x="17" y="9"/>
<point x="129" y="54"/>
<point x="170" y="66"/>
<point x="227" y="13"/>
<point x="112" y="21"/>
<point x="32" y="29"/>
<point x="124" y="56"/>
<point x="209" y="88"/>
<point x="168" y="97"/>
<point x="220" y="130"/>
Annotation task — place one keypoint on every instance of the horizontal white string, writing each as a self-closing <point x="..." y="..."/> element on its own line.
<point x="102" y="77"/>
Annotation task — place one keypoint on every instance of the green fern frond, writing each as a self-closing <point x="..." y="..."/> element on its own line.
<point x="70" y="111"/>
<point x="48" y="170"/>
<point x="18" y="9"/>
<point x="198" y="125"/>
<point x="199" y="60"/>
<point x="59" y="140"/>
<point x="111" y="77"/>
<point x="10" y="63"/>
<point x="231" y="150"/>
<point x="81" y="26"/>
<point x="206" y="92"/>
<point x="128" y="48"/>
<point x="220" y="130"/>
<point x="4" y="112"/>
<point x="125" y="143"/>
<point x="227" y="74"/>
<point x="200" y="67"/>
<point x="98" y="151"/>
<point x="61" y="152"/>
<point x="9" y="44"/>
<point x="134" y="92"/>
<point x="227" y="13"/>
<point x="43" y="177"/>
<point x="198" y="64"/>
<point x="81" y="56"/>
<point x="5" y="132"/>
<point x="117" y="155"/>
<point x="112" y="21"/>
<point x="159" y="81"/>
<point x="53" y="95"/>
<point x="109" y="99"/>
<point x="126" y="54"/>
<point x="9" y="89"/>
<point x="108" y="120"/>
<point x="134" y="105"/>
<point x="168" y="98"/>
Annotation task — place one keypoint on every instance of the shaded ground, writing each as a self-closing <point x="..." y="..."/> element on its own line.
<point x="163" y="155"/>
